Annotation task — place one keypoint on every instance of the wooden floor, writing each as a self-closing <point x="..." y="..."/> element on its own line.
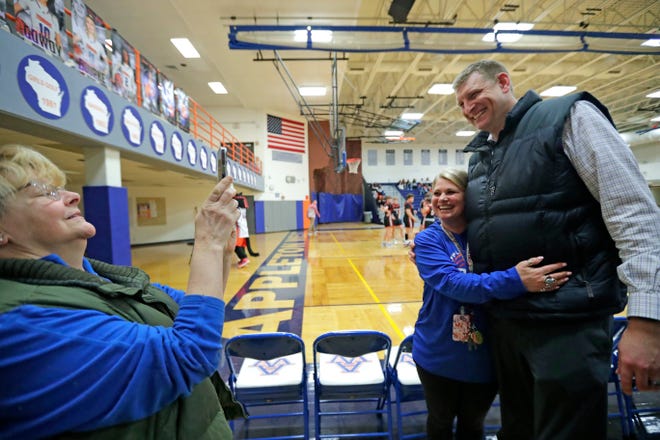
<point x="342" y="278"/>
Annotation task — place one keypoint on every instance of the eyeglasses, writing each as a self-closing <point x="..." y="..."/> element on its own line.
<point x="45" y="190"/>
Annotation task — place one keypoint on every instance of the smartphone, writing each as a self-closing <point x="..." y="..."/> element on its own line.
<point x="222" y="163"/>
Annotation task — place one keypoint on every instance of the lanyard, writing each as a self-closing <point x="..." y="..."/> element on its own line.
<point x="466" y="253"/>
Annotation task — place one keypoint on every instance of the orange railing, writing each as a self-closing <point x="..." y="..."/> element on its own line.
<point x="202" y="125"/>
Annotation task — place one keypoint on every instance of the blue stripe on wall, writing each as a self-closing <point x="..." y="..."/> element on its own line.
<point x="259" y="221"/>
<point x="300" y="216"/>
<point x="106" y="207"/>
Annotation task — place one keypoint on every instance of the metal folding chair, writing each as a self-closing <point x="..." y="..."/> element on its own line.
<point x="408" y="391"/>
<point x="352" y="378"/>
<point x="268" y="375"/>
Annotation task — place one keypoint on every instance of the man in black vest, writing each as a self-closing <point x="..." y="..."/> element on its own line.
<point x="554" y="178"/>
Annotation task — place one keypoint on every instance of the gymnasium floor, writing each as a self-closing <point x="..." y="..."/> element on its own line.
<point x="340" y="279"/>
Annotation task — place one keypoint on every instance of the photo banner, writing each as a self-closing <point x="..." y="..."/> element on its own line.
<point x="89" y="35"/>
<point x="182" y="109"/>
<point x="4" y="23"/>
<point x="123" y="68"/>
<point x="167" y="101"/>
<point x="42" y="25"/>
<point x="149" y="85"/>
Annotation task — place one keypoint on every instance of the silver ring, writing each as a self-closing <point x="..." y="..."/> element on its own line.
<point x="549" y="281"/>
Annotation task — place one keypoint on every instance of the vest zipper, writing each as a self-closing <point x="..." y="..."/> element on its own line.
<point x="587" y="284"/>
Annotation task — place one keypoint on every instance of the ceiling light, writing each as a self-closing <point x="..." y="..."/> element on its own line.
<point x="441" y="89"/>
<point x="412" y="116"/>
<point x="653" y="42"/>
<point x="510" y="26"/>
<point x="558" y="91"/>
<point x="318" y="35"/>
<point x="507" y="37"/>
<point x="312" y="91"/>
<point x="218" y="88"/>
<point x="393" y="133"/>
<point x="465" y="133"/>
<point x="185" y="47"/>
<point x="654" y="95"/>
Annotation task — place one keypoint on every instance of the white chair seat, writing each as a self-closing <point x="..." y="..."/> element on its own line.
<point x="406" y="370"/>
<point x="335" y="370"/>
<point x="278" y="372"/>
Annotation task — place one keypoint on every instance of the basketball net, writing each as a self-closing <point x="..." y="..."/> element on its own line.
<point x="353" y="165"/>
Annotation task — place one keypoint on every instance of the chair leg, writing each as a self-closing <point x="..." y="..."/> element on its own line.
<point x="317" y="418"/>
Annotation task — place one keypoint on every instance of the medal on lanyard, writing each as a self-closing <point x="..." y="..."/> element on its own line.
<point x="463" y="327"/>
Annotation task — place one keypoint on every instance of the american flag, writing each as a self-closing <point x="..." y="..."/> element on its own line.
<point x="286" y="135"/>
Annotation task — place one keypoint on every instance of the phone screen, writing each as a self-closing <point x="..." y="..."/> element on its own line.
<point x="222" y="163"/>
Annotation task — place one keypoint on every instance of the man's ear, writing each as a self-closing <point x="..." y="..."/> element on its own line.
<point x="504" y="81"/>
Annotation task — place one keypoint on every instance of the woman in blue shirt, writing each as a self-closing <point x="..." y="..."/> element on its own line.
<point x="95" y="350"/>
<point x="450" y="345"/>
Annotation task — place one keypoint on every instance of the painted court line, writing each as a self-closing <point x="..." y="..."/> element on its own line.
<point x="370" y="290"/>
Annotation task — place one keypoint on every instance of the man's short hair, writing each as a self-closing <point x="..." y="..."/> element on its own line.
<point x="489" y="69"/>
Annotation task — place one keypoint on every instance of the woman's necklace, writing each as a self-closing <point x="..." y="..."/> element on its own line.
<point x="466" y="253"/>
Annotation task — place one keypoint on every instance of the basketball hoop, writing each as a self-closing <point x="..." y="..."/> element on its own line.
<point x="353" y="165"/>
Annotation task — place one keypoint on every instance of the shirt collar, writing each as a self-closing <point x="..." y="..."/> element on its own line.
<point x="54" y="258"/>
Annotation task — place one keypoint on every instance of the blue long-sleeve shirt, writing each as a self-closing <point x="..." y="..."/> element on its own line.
<point x="447" y="287"/>
<point x="76" y="370"/>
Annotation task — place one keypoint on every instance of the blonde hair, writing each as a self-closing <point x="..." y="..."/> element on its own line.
<point x="20" y="164"/>
<point x="489" y="69"/>
<point x="457" y="177"/>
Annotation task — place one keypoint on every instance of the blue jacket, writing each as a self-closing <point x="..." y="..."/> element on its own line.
<point x="447" y="287"/>
<point x="87" y="352"/>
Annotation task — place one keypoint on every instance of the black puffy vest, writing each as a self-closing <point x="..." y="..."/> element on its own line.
<point x="525" y="199"/>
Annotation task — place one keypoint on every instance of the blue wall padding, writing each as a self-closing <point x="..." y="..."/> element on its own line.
<point x="106" y="207"/>
<point x="340" y="207"/>
<point x="259" y="221"/>
<point x="300" y="216"/>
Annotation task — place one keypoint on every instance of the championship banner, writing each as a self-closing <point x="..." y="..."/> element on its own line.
<point x="182" y="109"/>
<point x="89" y="35"/>
<point x="41" y="23"/>
<point x="166" y="95"/>
<point x="149" y="86"/>
<point x="123" y="68"/>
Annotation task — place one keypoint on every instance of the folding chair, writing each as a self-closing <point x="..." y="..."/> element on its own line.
<point x="268" y="371"/>
<point x="350" y="379"/>
<point x="407" y="387"/>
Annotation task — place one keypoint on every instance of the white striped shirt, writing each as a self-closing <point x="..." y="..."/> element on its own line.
<point x="611" y="173"/>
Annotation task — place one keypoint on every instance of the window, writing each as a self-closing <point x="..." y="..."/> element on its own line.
<point x="460" y="157"/>
<point x="407" y="157"/>
<point x="389" y="157"/>
<point x="426" y="157"/>
<point x="372" y="158"/>
<point x="442" y="157"/>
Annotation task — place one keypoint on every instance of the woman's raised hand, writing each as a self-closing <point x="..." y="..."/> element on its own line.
<point x="215" y="223"/>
